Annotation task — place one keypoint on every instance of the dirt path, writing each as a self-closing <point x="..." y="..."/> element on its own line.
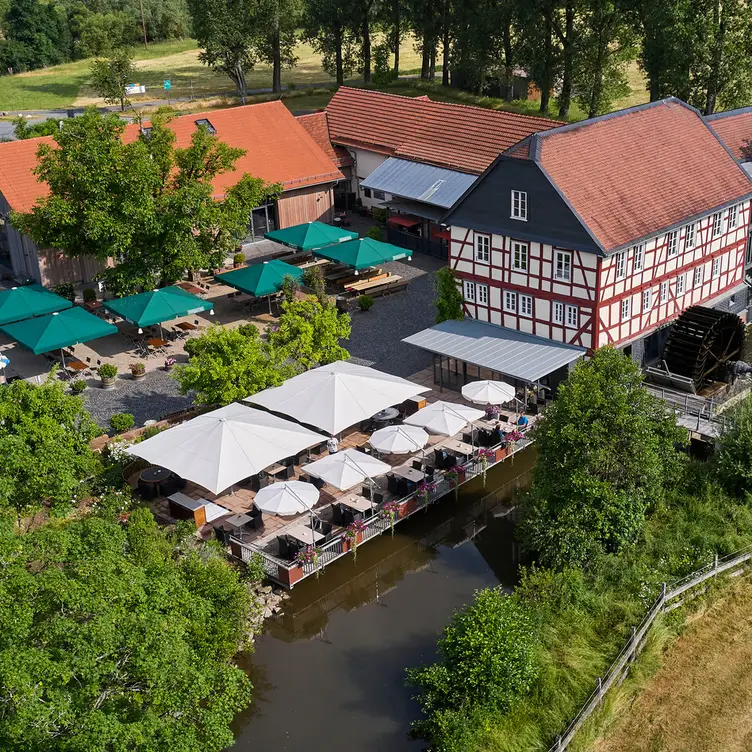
<point x="701" y="698"/>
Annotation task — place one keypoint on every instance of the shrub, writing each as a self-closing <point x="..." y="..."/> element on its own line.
<point x="379" y="215"/>
<point x="89" y="294"/>
<point x="289" y="288"/>
<point x="365" y="302"/>
<point x="137" y="369"/>
<point x="77" y="386"/>
<point x="108" y="371"/>
<point x="121" y="422"/>
<point x="383" y="73"/>
<point x="375" y="233"/>
<point x="65" y="290"/>
<point x="313" y="279"/>
<point x="448" y="301"/>
<point x="151" y="431"/>
<point x="238" y="258"/>
<point x="735" y="449"/>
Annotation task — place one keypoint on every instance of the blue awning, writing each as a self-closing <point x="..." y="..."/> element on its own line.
<point x="419" y="182"/>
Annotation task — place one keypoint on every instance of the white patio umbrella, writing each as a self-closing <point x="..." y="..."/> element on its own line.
<point x="488" y="392"/>
<point x="222" y="447"/>
<point x="398" y="439"/>
<point x="286" y="498"/>
<point x="336" y="396"/>
<point x="446" y="418"/>
<point x="346" y="469"/>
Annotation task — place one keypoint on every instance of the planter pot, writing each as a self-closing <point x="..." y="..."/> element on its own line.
<point x="236" y="265"/>
<point x="108" y="383"/>
<point x="138" y="376"/>
<point x="501" y="452"/>
<point x="166" y="368"/>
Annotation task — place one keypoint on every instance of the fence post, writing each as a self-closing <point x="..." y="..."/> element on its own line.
<point x="557" y="744"/>
<point x="715" y="560"/>
<point x="599" y="689"/>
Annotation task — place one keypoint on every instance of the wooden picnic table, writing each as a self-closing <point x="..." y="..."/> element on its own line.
<point x="191" y="288"/>
<point x="304" y="534"/>
<point x="372" y="284"/>
<point x="186" y="326"/>
<point x="458" y="447"/>
<point x="156" y="342"/>
<point x="275" y="469"/>
<point x="315" y="262"/>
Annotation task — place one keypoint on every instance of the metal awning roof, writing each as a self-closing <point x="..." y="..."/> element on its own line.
<point x="419" y="182"/>
<point x="426" y="211"/>
<point x="516" y="354"/>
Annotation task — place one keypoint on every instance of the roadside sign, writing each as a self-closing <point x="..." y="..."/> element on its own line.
<point x="167" y="84"/>
<point x="135" y="89"/>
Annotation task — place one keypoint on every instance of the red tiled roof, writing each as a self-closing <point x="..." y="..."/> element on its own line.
<point x="318" y="129"/>
<point x="456" y="136"/>
<point x="634" y="173"/>
<point x="278" y="150"/>
<point x="734" y="128"/>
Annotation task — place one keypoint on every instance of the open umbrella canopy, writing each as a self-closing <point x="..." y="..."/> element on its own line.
<point x="58" y="330"/>
<point x="446" y="418"/>
<point x="260" y="279"/>
<point x="156" y="306"/>
<point x="286" y="498"/>
<point x="398" y="439"/>
<point x="488" y="392"/>
<point x="336" y="396"/>
<point x="21" y="303"/>
<point x="363" y="253"/>
<point x="346" y="469"/>
<point x="310" y="235"/>
<point x="225" y="446"/>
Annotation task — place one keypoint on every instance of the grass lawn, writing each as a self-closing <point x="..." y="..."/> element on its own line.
<point x="700" y="698"/>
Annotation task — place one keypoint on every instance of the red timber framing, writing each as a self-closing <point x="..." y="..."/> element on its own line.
<point x="593" y="286"/>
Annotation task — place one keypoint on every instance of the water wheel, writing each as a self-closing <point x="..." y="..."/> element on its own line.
<point x="701" y="343"/>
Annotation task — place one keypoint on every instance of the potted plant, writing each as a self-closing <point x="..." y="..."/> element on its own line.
<point x="107" y="373"/>
<point x="493" y="412"/>
<point x="485" y="455"/>
<point x="389" y="512"/>
<point x="77" y="386"/>
<point x="354" y="535"/>
<point x="365" y="302"/>
<point x="90" y="297"/>
<point x="455" y="475"/>
<point x="512" y="438"/>
<point x="310" y="555"/>
<point x="238" y="259"/>
<point x="169" y="363"/>
<point x="138" y="371"/>
<point x="424" y="490"/>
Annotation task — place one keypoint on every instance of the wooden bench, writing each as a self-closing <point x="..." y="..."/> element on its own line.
<point x="394" y="284"/>
<point x="371" y="286"/>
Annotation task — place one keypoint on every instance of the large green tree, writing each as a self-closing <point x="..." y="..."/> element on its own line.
<point x="117" y="637"/>
<point x="110" y="76"/>
<point x="35" y="35"/>
<point x="146" y="204"/>
<point x="44" y="447"/>
<point x="330" y="27"/>
<point x="229" y="364"/>
<point x="607" y="452"/>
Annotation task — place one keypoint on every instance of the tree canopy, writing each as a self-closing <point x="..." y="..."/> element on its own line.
<point x="110" y="76"/>
<point x="147" y="204"/>
<point x="117" y="637"/>
<point x="607" y="452"/>
<point x="44" y="446"/>
<point x="734" y="455"/>
<point x="449" y="300"/>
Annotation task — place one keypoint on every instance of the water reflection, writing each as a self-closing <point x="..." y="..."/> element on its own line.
<point x="329" y="673"/>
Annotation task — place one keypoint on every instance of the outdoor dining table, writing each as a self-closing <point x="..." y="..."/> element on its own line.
<point x="275" y="469"/>
<point x="186" y="326"/>
<point x="384" y="416"/>
<point x="356" y="502"/>
<point x="157" y="342"/>
<point x="304" y="534"/>
<point x="191" y="288"/>
<point x="409" y="473"/>
<point x="459" y="447"/>
<point x="154" y="476"/>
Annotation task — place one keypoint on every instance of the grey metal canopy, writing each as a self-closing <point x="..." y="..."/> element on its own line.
<point x="522" y="356"/>
<point x="419" y="182"/>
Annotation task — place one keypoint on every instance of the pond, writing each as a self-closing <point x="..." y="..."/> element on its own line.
<point x="329" y="673"/>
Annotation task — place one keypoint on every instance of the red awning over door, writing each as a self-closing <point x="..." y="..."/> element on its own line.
<point x="403" y="221"/>
<point x="444" y="234"/>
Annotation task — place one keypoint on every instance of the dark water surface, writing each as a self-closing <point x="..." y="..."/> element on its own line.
<point x="329" y="674"/>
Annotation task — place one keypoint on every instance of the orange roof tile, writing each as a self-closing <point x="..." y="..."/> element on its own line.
<point x="734" y="128"/>
<point x="278" y="149"/>
<point x="318" y="129"/>
<point x="636" y="172"/>
<point x="460" y="137"/>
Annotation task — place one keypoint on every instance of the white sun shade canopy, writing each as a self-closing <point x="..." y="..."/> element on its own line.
<point x="398" y="439"/>
<point x="346" y="469"/>
<point x="488" y="392"/>
<point x="221" y="448"/>
<point x="336" y="396"/>
<point x="286" y="498"/>
<point x="446" y="418"/>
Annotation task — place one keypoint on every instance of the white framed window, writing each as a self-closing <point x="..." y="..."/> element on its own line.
<point x="483" y="248"/>
<point x="481" y="293"/>
<point x="563" y="266"/>
<point x="733" y="217"/>
<point x="519" y="256"/>
<point x="558" y="312"/>
<point x="379" y="195"/>
<point x="647" y="300"/>
<point x="639" y="258"/>
<point x="573" y="317"/>
<point x="717" y="224"/>
<point x="698" y="276"/>
<point x="689" y="236"/>
<point x="715" y="268"/>
<point x="621" y="265"/>
<point x="680" y="284"/>
<point x="626" y="308"/>
<point x="510" y="301"/>
<point x="672" y="243"/>
<point x="519" y="205"/>
<point x="526" y="305"/>
<point x="470" y="291"/>
<point x="664" y="292"/>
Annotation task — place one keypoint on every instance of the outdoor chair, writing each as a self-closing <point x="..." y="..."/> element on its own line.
<point x="429" y="472"/>
<point x="323" y="527"/>
<point x="256" y="523"/>
<point x="289" y="472"/>
<point x="378" y="498"/>
<point x="467" y="438"/>
<point x="391" y="483"/>
<point x="402" y="489"/>
<point x="220" y="534"/>
<point x="337" y="515"/>
<point x="284" y="547"/>
<point x="417" y="464"/>
<point x="365" y="492"/>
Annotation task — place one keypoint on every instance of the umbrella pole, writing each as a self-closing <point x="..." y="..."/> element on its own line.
<point x="269" y="298"/>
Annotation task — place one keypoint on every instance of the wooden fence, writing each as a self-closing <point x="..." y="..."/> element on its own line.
<point x="671" y="597"/>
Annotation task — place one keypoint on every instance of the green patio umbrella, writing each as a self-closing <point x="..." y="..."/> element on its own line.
<point x="311" y="235"/>
<point x="260" y="279"/>
<point x="363" y="253"/>
<point x="156" y="306"/>
<point x="58" y="330"/>
<point x="21" y="303"/>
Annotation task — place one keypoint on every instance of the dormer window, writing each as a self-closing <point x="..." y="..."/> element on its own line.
<point x="206" y="123"/>
<point x="146" y="132"/>
<point x="519" y="205"/>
